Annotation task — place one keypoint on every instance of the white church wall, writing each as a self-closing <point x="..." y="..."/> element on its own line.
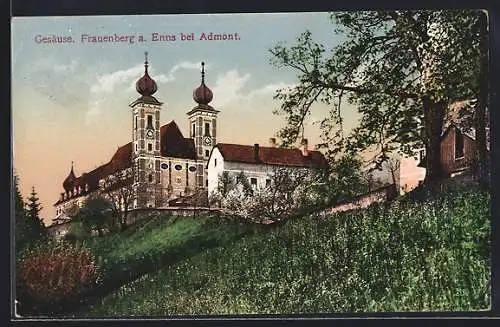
<point x="215" y="168"/>
<point x="257" y="174"/>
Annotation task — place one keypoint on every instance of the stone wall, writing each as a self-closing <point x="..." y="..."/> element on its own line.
<point x="378" y="196"/>
<point x="140" y="214"/>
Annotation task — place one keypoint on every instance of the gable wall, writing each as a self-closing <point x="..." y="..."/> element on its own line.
<point x="448" y="161"/>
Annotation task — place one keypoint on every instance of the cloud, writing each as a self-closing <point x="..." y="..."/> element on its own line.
<point x="65" y="69"/>
<point x="108" y="83"/>
<point x="270" y="89"/>
<point x="229" y="89"/>
<point x="94" y="112"/>
<point x="125" y="79"/>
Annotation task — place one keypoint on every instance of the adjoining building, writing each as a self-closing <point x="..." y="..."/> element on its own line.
<point x="458" y="139"/>
<point x="258" y="162"/>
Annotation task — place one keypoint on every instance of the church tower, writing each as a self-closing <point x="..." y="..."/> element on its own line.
<point x="203" y="124"/>
<point x="146" y="142"/>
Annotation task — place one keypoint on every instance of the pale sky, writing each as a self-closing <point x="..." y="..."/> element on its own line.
<point x="70" y="100"/>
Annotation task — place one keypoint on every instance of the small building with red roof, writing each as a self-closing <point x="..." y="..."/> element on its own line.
<point x="259" y="162"/>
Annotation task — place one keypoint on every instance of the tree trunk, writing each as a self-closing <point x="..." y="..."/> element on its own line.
<point x="123" y="220"/>
<point x="123" y="226"/>
<point x="483" y="173"/>
<point x="394" y="184"/>
<point x="434" y="113"/>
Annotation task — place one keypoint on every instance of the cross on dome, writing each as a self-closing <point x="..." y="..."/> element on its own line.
<point x="202" y="94"/>
<point x="146" y="86"/>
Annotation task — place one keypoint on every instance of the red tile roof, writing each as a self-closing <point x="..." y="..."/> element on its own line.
<point x="272" y="156"/>
<point x="172" y="144"/>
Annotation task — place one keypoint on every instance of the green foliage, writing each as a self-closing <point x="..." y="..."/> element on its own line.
<point x="429" y="256"/>
<point x="160" y="242"/>
<point x="29" y="228"/>
<point x="400" y="68"/>
<point x="34" y="206"/>
<point x="52" y="275"/>
<point x="346" y="178"/>
<point x="96" y="214"/>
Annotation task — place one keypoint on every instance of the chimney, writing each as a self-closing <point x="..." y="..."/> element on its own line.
<point x="256" y="152"/>
<point x="303" y="147"/>
<point x="272" y="142"/>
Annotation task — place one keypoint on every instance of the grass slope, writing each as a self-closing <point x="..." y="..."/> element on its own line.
<point x="428" y="256"/>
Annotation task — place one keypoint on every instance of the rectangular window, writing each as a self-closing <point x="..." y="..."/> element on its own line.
<point x="421" y="154"/>
<point x="215" y="162"/>
<point x="150" y="122"/>
<point x="135" y="126"/>
<point x="207" y="153"/>
<point x="206" y="183"/>
<point x="193" y="131"/>
<point x="253" y="181"/>
<point x="459" y="144"/>
<point x="207" y="129"/>
<point x="150" y="147"/>
<point x="150" y="178"/>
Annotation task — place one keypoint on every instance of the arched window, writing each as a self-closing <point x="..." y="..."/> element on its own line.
<point x="207" y="129"/>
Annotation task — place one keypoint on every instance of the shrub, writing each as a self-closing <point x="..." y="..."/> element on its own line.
<point x="54" y="275"/>
<point x="288" y="192"/>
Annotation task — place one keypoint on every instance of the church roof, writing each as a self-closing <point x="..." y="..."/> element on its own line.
<point x="271" y="156"/>
<point x="172" y="144"/>
<point x="68" y="182"/>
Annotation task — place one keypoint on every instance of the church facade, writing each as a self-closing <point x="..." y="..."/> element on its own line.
<point x="159" y="164"/>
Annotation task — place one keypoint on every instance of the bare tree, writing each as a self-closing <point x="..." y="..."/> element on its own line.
<point x="119" y="189"/>
<point x="393" y="165"/>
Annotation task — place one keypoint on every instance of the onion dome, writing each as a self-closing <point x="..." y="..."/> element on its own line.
<point x="146" y="86"/>
<point x="203" y="95"/>
<point x="68" y="182"/>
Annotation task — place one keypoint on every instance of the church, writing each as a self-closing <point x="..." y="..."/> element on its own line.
<point x="159" y="164"/>
<point x="161" y="168"/>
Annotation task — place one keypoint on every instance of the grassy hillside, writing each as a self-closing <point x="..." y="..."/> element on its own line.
<point x="406" y="257"/>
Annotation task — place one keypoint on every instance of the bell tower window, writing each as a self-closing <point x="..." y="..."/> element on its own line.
<point x="150" y="147"/>
<point x="135" y="124"/>
<point x="150" y="122"/>
<point x="193" y="130"/>
<point x="207" y="129"/>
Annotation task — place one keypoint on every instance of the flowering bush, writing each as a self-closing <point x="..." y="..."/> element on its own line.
<point x="289" y="192"/>
<point x="54" y="274"/>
